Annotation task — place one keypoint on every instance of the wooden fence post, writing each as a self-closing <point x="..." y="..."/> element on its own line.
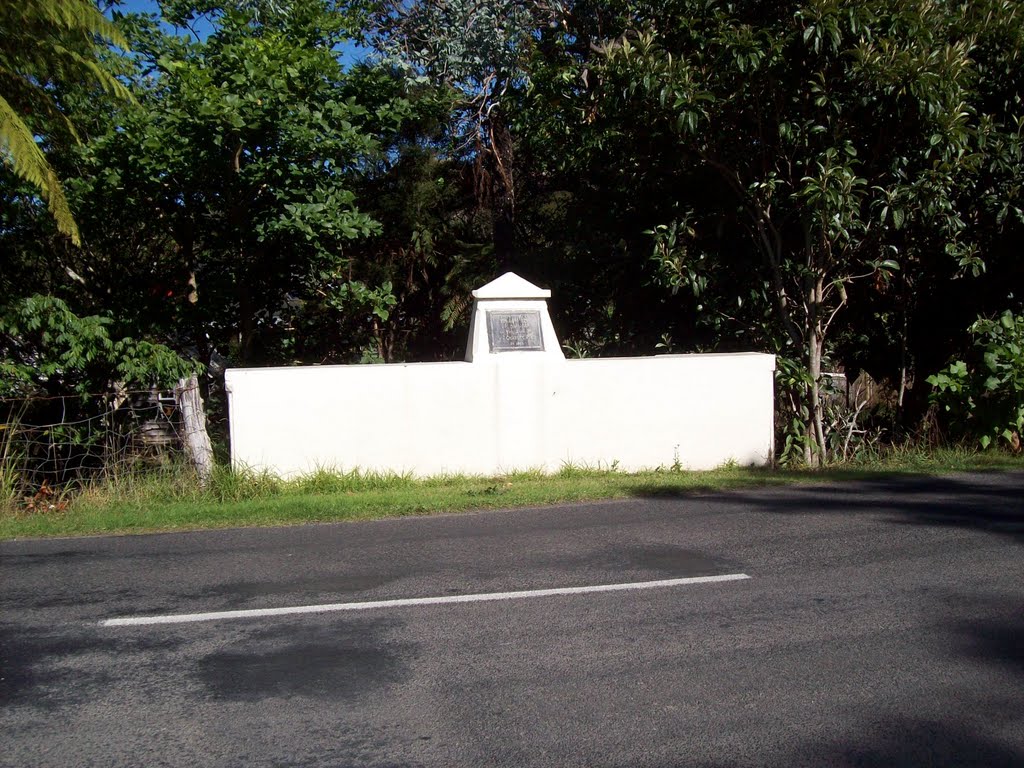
<point x="196" y="440"/>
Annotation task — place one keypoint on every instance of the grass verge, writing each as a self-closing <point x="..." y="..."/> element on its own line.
<point x="172" y="501"/>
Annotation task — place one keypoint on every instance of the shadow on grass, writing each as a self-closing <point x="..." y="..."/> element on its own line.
<point x="677" y="485"/>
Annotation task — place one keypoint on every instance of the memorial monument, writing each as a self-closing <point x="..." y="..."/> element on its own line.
<point x="515" y="403"/>
<point x="511" y="315"/>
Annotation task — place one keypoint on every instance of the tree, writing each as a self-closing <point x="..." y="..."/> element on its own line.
<point x="434" y="244"/>
<point x="479" y="51"/>
<point x="830" y="133"/>
<point x="237" y="165"/>
<point x="43" y="42"/>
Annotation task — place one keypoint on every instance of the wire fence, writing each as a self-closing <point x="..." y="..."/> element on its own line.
<point x="49" y="445"/>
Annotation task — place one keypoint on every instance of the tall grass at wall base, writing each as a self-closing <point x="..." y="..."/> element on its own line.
<point x="173" y="499"/>
<point x="10" y="476"/>
<point x="928" y="459"/>
<point x="181" y="484"/>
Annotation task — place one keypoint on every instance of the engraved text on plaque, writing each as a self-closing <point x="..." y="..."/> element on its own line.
<point x="514" y="331"/>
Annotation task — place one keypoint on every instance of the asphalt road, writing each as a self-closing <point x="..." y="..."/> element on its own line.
<point x="883" y="625"/>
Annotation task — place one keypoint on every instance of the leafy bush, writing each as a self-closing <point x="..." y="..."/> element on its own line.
<point x="47" y="348"/>
<point x="984" y="396"/>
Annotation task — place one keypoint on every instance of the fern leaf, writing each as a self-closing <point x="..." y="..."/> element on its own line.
<point x="20" y="150"/>
<point x="41" y="42"/>
<point x="71" y="15"/>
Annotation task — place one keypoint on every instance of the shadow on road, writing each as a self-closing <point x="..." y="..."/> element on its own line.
<point x="908" y="743"/>
<point x="885" y="738"/>
<point x="984" y="502"/>
<point x="341" y="661"/>
<point x="991" y="502"/>
<point x="995" y="641"/>
<point x="51" y="670"/>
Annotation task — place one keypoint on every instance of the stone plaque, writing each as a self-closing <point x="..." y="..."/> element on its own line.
<point x="514" y="331"/>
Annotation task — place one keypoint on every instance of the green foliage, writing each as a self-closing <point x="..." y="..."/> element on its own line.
<point x="433" y="243"/>
<point x="984" y="396"/>
<point x="45" y="347"/>
<point x="11" y="477"/>
<point x="839" y="183"/>
<point x="43" y="42"/>
<point x="477" y="52"/>
<point x="377" y="300"/>
<point x="237" y="170"/>
<point x="476" y="46"/>
<point x="812" y="152"/>
<point x="792" y="379"/>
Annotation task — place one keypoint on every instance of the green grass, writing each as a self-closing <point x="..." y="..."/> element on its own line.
<point x="173" y="501"/>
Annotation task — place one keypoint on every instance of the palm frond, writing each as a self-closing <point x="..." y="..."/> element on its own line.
<point x="23" y="94"/>
<point x="44" y="42"/>
<point x="19" y="148"/>
<point x="101" y="76"/>
<point x="71" y="15"/>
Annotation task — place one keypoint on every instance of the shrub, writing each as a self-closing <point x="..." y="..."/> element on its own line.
<point x="984" y="396"/>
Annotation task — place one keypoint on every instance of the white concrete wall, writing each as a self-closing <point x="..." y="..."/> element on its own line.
<point x="531" y="411"/>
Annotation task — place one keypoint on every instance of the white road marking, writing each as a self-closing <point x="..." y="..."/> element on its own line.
<point x="187" y="618"/>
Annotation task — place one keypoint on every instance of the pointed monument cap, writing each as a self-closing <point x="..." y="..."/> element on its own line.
<point x="511" y="323"/>
<point x="510" y="286"/>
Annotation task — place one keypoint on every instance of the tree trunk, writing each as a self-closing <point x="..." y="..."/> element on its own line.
<point x="503" y="221"/>
<point x="503" y="203"/>
<point x="195" y="438"/>
<point x="815" y="425"/>
<point x="246" y="325"/>
<point x="898" y="422"/>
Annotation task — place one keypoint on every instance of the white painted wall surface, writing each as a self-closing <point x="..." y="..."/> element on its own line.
<point x="531" y="411"/>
